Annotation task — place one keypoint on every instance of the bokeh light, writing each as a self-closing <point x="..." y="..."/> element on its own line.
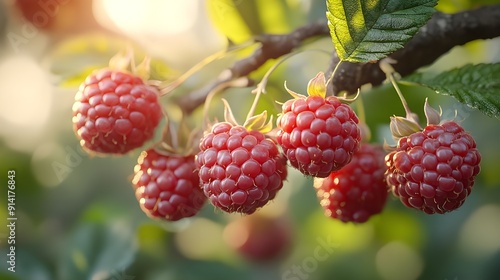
<point x="398" y="261"/>
<point x="25" y="101"/>
<point x="173" y="30"/>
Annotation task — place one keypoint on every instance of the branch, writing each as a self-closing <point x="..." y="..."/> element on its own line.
<point x="441" y="33"/>
<point x="271" y="46"/>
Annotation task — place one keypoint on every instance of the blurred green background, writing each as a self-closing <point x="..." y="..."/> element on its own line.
<point x="77" y="217"/>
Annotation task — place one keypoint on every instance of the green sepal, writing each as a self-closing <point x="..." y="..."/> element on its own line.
<point x="259" y="123"/>
<point x="402" y="127"/>
<point x="143" y="69"/>
<point x="124" y="61"/>
<point x="317" y="86"/>
<point x="432" y="116"/>
<point x="228" y="113"/>
<point x="121" y="60"/>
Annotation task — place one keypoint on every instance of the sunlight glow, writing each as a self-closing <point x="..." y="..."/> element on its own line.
<point x="25" y="92"/>
<point x="202" y="240"/>
<point x="170" y="29"/>
<point x="152" y="16"/>
<point x="25" y="101"/>
<point x="479" y="235"/>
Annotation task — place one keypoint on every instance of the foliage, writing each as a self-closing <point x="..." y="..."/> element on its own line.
<point x="477" y="86"/>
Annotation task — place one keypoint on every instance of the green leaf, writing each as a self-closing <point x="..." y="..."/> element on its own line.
<point x="364" y="31"/>
<point x="477" y="86"/>
<point x="73" y="59"/>
<point x="27" y="264"/>
<point x="241" y="20"/>
<point x="98" y="251"/>
<point x="226" y="16"/>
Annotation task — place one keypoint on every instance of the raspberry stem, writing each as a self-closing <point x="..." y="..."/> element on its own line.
<point x="261" y="86"/>
<point x="251" y="112"/>
<point x="385" y="66"/>
<point x="166" y="88"/>
<point x="167" y="138"/>
<point x="360" y="112"/>
<point x="243" y="81"/>
<point x="333" y="73"/>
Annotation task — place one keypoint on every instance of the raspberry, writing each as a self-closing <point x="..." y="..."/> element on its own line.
<point x="166" y="185"/>
<point x="358" y="190"/>
<point x="115" y="112"/>
<point x="318" y="135"/>
<point x="433" y="170"/>
<point x="240" y="170"/>
<point x="260" y="238"/>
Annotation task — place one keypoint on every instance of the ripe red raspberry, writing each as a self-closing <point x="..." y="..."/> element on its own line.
<point x="167" y="186"/>
<point x="115" y="112"/>
<point x="318" y="135"/>
<point x="240" y="170"/>
<point x="433" y="170"/>
<point x="358" y="190"/>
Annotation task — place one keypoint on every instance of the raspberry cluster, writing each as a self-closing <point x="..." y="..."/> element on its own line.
<point x="240" y="170"/>
<point x="433" y="170"/>
<point x="167" y="186"/>
<point x="318" y="135"/>
<point x="115" y="112"/>
<point x="358" y="190"/>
